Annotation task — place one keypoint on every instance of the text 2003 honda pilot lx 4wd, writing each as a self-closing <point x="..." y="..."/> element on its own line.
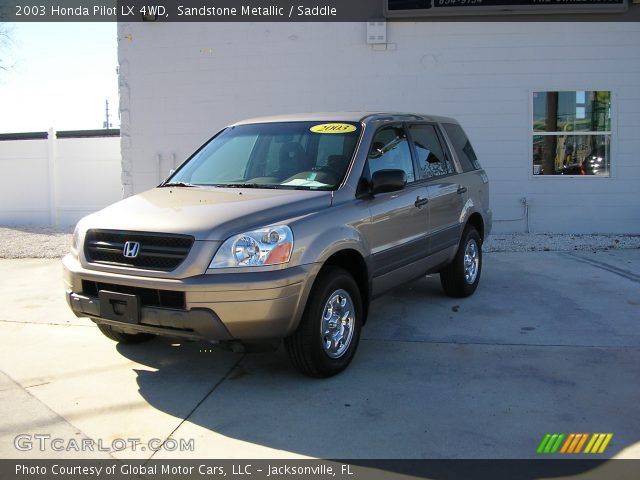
<point x="286" y="228"/>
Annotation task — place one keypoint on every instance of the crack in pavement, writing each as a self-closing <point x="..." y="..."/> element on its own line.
<point x="55" y="416"/>
<point x="207" y="395"/>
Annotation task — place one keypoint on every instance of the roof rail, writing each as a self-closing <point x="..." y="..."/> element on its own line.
<point x="393" y="116"/>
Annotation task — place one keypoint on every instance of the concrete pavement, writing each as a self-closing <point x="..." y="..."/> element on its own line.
<point x="550" y="342"/>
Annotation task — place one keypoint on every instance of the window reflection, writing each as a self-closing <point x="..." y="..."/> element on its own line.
<point x="572" y="111"/>
<point x="390" y="151"/>
<point x="431" y="158"/>
<point x="572" y="133"/>
<point x="571" y="155"/>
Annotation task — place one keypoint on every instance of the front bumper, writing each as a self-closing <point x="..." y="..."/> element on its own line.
<point x="218" y="307"/>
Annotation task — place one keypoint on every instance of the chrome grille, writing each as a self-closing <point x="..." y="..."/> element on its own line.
<point x="158" y="251"/>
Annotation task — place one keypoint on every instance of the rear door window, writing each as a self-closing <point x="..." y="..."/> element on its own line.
<point x="431" y="156"/>
<point x="462" y="146"/>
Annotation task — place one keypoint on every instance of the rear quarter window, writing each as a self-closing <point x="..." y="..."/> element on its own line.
<point x="462" y="146"/>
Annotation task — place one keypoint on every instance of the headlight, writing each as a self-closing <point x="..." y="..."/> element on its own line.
<point x="75" y="240"/>
<point x="266" y="246"/>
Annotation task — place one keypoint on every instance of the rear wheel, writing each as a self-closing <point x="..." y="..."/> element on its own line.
<point x="327" y="337"/>
<point x="461" y="277"/>
<point x="121" y="337"/>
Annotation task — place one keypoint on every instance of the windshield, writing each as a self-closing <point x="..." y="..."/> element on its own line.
<point x="298" y="155"/>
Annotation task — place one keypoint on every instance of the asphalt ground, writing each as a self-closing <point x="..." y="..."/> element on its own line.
<point x="550" y="342"/>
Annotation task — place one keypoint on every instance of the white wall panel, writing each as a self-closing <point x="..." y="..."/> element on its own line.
<point x="85" y="178"/>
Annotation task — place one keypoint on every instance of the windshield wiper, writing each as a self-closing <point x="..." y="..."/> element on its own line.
<point x="178" y="184"/>
<point x="237" y="185"/>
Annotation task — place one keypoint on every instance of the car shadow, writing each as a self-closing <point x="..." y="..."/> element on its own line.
<point x="399" y="399"/>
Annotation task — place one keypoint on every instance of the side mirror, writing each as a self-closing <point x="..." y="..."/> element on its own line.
<point x="388" y="181"/>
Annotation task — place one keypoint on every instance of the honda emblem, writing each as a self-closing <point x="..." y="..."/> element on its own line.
<point x="131" y="249"/>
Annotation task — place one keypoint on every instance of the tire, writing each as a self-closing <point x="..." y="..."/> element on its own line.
<point x="457" y="279"/>
<point x="314" y="348"/>
<point x="121" y="337"/>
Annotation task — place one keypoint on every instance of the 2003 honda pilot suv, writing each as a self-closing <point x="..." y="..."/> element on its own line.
<point x="286" y="228"/>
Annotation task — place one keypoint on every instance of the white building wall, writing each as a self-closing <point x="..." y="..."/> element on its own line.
<point x="58" y="181"/>
<point x="181" y="82"/>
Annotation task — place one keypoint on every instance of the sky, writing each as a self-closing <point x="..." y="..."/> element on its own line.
<point x="59" y="77"/>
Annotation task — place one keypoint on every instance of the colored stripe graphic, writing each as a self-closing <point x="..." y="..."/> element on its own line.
<point x="568" y="442"/>
<point x="574" y="442"/>
<point x="543" y="443"/>
<point x="555" y="447"/>
<point x="577" y="437"/>
<point x="598" y="443"/>
<point x="584" y="439"/>
<point x="606" y="442"/>
<point x="550" y="443"/>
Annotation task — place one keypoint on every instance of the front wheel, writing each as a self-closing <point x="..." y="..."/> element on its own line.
<point x="327" y="337"/>
<point x="461" y="277"/>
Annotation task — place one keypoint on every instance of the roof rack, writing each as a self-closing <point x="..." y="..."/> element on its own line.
<point x="393" y="116"/>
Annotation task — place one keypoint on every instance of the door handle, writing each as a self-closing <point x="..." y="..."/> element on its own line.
<point x="421" y="202"/>
<point x="462" y="189"/>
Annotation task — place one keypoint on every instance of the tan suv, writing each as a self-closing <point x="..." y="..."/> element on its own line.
<point x="286" y="228"/>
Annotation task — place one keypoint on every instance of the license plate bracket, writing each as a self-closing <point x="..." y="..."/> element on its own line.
<point x="121" y="307"/>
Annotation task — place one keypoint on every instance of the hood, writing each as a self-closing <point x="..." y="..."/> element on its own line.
<point x="206" y="213"/>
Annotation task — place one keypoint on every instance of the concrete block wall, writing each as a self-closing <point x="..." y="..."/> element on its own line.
<point x="182" y="82"/>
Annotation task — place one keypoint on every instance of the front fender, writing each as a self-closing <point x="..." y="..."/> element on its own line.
<point x="315" y="245"/>
<point x="332" y="241"/>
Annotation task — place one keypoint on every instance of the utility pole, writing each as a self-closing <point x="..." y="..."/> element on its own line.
<point x="106" y="123"/>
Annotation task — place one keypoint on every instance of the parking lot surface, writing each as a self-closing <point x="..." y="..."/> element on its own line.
<point x="550" y="342"/>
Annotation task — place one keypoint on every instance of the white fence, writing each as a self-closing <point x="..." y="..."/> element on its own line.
<point x="57" y="178"/>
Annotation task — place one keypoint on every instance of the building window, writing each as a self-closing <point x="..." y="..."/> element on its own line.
<point x="572" y="133"/>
